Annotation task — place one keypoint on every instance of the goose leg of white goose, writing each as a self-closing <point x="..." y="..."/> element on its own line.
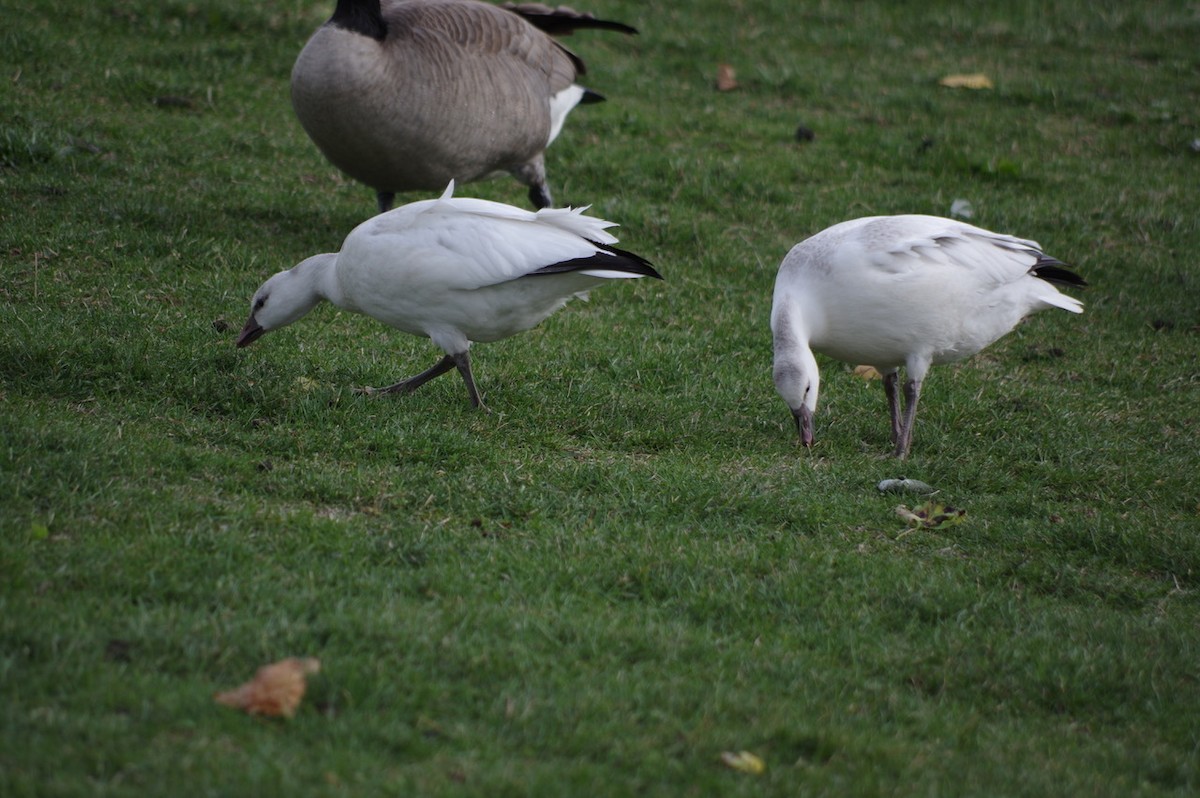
<point x="889" y="390"/>
<point x="463" y="361"/>
<point x="413" y="383"/>
<point x="385" y="199"/>
<point x="912" y="393"/>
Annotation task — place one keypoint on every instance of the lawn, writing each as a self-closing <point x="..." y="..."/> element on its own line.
<point x="630" y="567"/>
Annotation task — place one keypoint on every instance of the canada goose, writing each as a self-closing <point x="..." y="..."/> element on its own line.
<point x="415" y="93"/>
<point x="453" y="270"/>
<point x="912" y="291"/>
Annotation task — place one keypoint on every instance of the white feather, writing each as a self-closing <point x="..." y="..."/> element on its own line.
<point x="900" y="291"/>
<point x="455" y="270"/>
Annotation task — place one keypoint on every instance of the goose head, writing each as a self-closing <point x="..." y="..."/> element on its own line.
<point x="798" y="381"/>
<point x="284" y="298"/>
<point x="797" y="378"/>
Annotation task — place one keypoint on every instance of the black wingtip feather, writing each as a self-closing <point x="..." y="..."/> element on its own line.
<point x="609" y="257"/>
<point x="639" y="264"/>
<point x="1055" y="272"/>
<point x="558" y="26"/>
<point x="563" y="21"/>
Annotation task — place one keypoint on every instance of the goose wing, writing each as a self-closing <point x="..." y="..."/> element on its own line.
<point x="483" y="30"/>
<point x="466" y="244"/>
<point x="932" y="248"/>
<point x="926" y="259"/>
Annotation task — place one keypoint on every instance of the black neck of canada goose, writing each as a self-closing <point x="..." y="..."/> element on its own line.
<point x="360" y="16"/>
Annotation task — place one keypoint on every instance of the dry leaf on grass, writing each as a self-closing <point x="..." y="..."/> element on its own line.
<point x="975" y="80"/>
<point x="275" y="690"/>
<point x="743" y="761"/>
<point x="726" y="78"/>
<point x="932" y="515"/>
<point x="867" y="373"/>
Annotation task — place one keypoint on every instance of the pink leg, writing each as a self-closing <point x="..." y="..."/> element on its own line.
<point x="912" y="393"/>
<point x="413" y="383"/>
<point x="889" y="390"/>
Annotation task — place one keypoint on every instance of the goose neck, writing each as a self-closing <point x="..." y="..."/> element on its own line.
<point x="328" y="285"/>
<point x="360" y="16"/>
<point x="319" y="275"/>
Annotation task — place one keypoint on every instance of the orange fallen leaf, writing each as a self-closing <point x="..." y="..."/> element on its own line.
<point x="932" y="515"/>
<point x="867" y="373"/>
<point x="975" y="80"/>
<point x="726" y="78"/>
<point x="275" y="690"/>
<point x="744" y="761"/>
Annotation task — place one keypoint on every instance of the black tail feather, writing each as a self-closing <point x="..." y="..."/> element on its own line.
<point x="1055" y="272"/>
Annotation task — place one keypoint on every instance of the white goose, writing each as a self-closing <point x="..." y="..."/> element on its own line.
<point x="411" y="94"/>
<point x="911" y="291"/>
<point x="453" y="270"/>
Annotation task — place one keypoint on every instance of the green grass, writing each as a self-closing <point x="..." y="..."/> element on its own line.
<point x="630" y="566"/>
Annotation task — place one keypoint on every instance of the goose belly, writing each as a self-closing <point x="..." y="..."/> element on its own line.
<point x="499" y="311"/>
<point x="938" y="335"/>
<point x="485" y="314"/>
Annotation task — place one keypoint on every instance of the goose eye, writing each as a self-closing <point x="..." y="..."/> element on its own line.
<point x="258" y="303"/>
